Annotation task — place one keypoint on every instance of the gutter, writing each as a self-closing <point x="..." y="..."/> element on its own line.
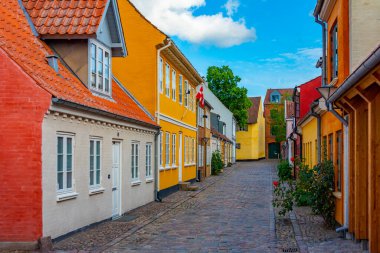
<point x="157" y="148"/>
<point x="101" y="112"/>
<point x="323" y="24"/>
<point x="371" y="62"/>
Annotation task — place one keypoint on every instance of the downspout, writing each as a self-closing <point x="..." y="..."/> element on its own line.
<point x="157" y="172"/>
<point x="324" y="78"/>
<point x="156" y="139"/>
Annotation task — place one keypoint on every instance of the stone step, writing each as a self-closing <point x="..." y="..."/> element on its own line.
<point x="192" y="188"/>
<point x="183" y="186"/>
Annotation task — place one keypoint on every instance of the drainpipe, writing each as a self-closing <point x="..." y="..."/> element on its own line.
<point x="324" y="78"/>
<point x="156" y="164"/>
<point x="157" y="172"/>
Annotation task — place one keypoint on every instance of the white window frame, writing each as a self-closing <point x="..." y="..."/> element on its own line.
<point x="208" y="119"/>
<point x="135" y="150"/>
<point x="95" y="171"/>
<point x="200" y="157"/>
<point x="186" y="150"/>
<point x="167" y="149"/>
<point x="161" y="74"/>
<point x="174" y="149"/>
<point x="65" y="170"/>
<point x="174" y="84"/>
<point x="193" y="148"/>
<point x="180" y="89"/>
<point x="90" y="63"/>
<point x="186" y="95"/>
<point x="148" y="160"/>
<point x="167" y="80"/>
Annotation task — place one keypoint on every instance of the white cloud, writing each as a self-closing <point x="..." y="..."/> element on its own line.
<point x="232" y="7"/>
<point x="302" y="53"/>
<point x="177" y="18"/>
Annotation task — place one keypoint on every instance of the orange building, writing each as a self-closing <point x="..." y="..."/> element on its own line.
<point x="350" y="130"/>
<point x="164" y="81"/>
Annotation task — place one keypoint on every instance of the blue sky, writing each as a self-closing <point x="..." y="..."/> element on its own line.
<point x="268" y="43"/>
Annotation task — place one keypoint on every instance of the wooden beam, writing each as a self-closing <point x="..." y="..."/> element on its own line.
<point x="376" y="74"/>
<point x="374" y="174"/>
<point x="361" y="170"/>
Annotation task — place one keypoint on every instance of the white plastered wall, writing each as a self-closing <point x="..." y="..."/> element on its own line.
<point x="63" y="217"/>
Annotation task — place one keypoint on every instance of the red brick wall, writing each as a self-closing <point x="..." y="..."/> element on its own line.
<point x="22" y="108"/>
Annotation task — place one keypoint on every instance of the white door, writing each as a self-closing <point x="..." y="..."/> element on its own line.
<point x="115" y="179"/>
<point x="180" y="158"/>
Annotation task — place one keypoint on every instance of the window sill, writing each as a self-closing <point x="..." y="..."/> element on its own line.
<point x="67" y="196"/>
<point x="162" y="168"/>
<point x="168" y="167"/>
<point x="136" y="183"/>
<point x="337" y="195"/>
<point x="96" y="191"/>
<point x="190" y="165"/>
<point x="149" y="180"/>
<point x="174" y="167"/>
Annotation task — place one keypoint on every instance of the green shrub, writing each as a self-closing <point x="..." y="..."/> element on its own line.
<point x="284" y="170"/>
<point x="323" y="200"/>
<point x="303" y="193"/>
<point x="216" y="163"/>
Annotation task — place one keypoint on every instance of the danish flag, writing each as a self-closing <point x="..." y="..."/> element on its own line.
<point x="200" y="97"/>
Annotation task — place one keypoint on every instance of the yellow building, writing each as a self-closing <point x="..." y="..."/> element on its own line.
<point x="309" y="130"/>
<point x="163" y="81"/>
<point x="251" y="139"/>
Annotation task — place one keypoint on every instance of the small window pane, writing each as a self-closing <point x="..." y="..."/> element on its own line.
<point x="100" y="54"/>
<point x="60" y="145"/>
<point x="60" y="162"/>
<point x="98" y="177"/>
<point x="68" y="180"/>
<point x="91" y="147"/>
<point x="60" y="180"/>
<point x="69" y="162"/>
<point x="91" y="177"/>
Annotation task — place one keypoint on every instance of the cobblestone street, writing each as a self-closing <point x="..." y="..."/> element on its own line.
<point x="231" y="212"/>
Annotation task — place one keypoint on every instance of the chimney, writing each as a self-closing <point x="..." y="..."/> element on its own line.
<point x="53" y="62"/>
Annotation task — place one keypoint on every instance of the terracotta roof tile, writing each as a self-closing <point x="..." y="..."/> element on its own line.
<point x="253" y="111"/>
<point x="65" y="17"/>
<point x="29" y="52"/>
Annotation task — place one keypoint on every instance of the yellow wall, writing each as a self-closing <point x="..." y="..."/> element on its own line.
<point x="252" y="142"/>
<point x="138" y="72"/>
<point x="309" y="142"/>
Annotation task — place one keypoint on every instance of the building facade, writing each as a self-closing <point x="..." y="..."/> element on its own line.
<point x="273" y="105"/>
<point x="164" y="81"/>
<point x="355" y="96"/>
<point x="250" y="139"/>
<point x="204" y="141"/>
<point x="90" y="144"/>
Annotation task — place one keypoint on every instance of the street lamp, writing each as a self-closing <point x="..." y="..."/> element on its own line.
<point x="326" y="91"/>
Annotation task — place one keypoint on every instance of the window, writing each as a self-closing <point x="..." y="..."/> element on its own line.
<point x="160" y="74"/>
<point x="95" y="163"/>
<point x="200" y="156"/>
<point x="208" y="155"/>
<point x="167" y="80"/>
<point x="174" y="139"/>
<point x="200" y="117"/>
<point x="339" y="145"/>
<point x="174" y="85"/>
<point x="186" y="150"/>
<point x="186" y="93"/>
<point x="148" y="160"/>
<point x="161" y="149"/>
<point x="331" y="148"/>
<point x="135" y="161"/>
<point x="100" y="68"/>
<point x="334" y="52"/>
<point x="167" y="149"/>
<point x="193" y="150"/>
<point x="180" y="89"/>
<point x="208" y="119"/>
<point x="64" y="163"/>
<point x="275" y="98"/>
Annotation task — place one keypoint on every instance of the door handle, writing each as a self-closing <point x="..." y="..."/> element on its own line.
<point x="114" y="188"/>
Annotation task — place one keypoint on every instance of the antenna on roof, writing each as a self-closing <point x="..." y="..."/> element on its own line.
<point x="53" y="62"/>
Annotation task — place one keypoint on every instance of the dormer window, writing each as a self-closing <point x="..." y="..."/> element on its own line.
<point x="275" y="97"/>
<point x="100" y="71"/>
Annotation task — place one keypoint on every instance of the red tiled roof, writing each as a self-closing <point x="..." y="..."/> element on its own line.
<point x="253" y="111"/>
<point x="29" y="52"/>
<point x="308" y="94"/>
<point x="65" y="17"/>
<point x="281" y="91"/>
<point x="217" y="134"/>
